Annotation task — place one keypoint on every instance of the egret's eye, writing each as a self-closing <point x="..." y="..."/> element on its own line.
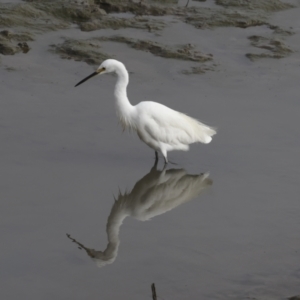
<point x="99" y="71"/>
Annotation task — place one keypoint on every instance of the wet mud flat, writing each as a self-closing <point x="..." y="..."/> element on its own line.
<point x="84" y="210"/>
<point x="38" y="17"/>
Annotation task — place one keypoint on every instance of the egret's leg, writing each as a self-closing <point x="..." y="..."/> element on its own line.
<point x="187" y="3"/>
<point x="154" y="168"/>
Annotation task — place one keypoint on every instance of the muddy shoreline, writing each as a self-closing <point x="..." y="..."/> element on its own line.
<point x="36" y="17"/>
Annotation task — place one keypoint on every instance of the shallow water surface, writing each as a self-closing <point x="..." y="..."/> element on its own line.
<point x="85" y="215"/>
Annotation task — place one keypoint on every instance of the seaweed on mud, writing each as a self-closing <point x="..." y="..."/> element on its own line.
<point x="88" y="51"/>
<point x="275" y="48"/>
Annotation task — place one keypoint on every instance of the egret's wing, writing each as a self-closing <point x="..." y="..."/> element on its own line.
<point x="172" y="127"/>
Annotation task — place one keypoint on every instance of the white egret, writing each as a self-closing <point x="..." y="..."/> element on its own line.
<point x="160" y="127"/>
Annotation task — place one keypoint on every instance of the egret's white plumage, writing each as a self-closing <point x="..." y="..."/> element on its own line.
<point x="160" y="127"/>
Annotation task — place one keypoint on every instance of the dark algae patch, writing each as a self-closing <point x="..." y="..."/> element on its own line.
<point x="274" y="47"/>
<point x="153" y="8"/>
<point x="12" y="43"/>
<point x="88" y="51"/>
<point x="207" y="18"/>
<point x="31" y="16"/>
<point x="117" y="23"/>
<point x="183" y="52"/>
<point x="266" y="5"/>
<point x="199" y="69"/>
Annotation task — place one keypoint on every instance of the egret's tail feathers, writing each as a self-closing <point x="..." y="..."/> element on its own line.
<point x="195" y="131"/>
<point x="207" y="139"/>
<point x="200" y="132"/>
<point x="207" y="132"/>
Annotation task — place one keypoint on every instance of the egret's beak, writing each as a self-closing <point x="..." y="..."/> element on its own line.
<point x="90" y="76"/>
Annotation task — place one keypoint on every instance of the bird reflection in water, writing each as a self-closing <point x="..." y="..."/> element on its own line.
<point x="155" y="194"/>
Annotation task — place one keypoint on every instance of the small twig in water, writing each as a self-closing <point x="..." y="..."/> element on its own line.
<point x="153" y="291"/>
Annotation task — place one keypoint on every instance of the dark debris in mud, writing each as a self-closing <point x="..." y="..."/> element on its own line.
<point x="275" y="48"/>
<point x="138" y="8"/>
<point x="117" y="23"/>
<point x="266" y="5"/>
<point x="198" y="70"/>
<point x="12" y="43"/>
<point x="280" y="31"/>
<point x="210" y="18"/>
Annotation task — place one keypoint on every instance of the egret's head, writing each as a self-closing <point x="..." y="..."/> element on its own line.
<point x="108" y="66"/>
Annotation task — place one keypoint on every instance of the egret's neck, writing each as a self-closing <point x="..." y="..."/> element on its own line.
<point x="123" y="106"/>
